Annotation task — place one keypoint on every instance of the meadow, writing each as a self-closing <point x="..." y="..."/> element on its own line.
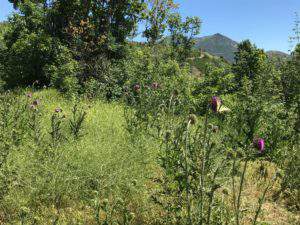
<point x="103" y="176"/>
<point x="96" y="128"/>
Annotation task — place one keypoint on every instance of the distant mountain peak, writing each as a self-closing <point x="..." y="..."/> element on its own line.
<point x="218" y="35"/>
<point x="218" y="45"/>
<point x="222" y="46"/>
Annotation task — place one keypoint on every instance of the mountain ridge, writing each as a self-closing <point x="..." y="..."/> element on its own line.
<point x="223" y="46"/>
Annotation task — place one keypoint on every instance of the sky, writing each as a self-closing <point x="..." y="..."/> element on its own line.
<point x="267" y="23"/>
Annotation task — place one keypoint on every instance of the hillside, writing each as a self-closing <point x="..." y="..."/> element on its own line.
<point x="277" y="54"/>
<point x="222" y="46"/>
<point x="218" y="45"/>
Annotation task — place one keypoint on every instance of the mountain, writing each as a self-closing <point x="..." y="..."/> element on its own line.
<point x="218" y="45"/>
<point x="277" y="55"/>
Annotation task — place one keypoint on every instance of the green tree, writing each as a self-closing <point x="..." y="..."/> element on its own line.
<point x="156" y="17"/>
<point x="28" y="47"/>
<point x="182" y="34"/>
<point x="40" y="31"/>
<point x="249" y="63"/>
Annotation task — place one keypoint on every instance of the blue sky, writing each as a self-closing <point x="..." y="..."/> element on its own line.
<point x="267" y="23"/>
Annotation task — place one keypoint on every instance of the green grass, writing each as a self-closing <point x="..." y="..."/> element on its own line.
<point x="105" y="169"/>
<point x="103" y="164"/>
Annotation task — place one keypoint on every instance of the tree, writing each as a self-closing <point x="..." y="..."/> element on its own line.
<point x="156" y="16"/>
<point x="249" y="62"/>
<point x="182" y="34"/>
<point x="290" y="80"/>
<point x="17" y="3"/>
<point x="41" y="29"/>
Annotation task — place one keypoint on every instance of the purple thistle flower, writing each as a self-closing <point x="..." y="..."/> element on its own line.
<point x="259" y="144"/>
<point x="216" y="103"/>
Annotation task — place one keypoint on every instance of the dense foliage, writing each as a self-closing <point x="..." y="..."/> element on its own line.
<point x="183" y="136"/>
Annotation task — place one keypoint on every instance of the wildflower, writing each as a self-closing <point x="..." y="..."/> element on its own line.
<point x="29" y="95"/>
<point x="192" y="119"/>
<point x="36" y="102"/>
<point x="259" y="144"/>
<point x="58" y="110"/>
<point x="33" y="107"/>
<point x="155" y="85"/>
<point x="137" y="88"/>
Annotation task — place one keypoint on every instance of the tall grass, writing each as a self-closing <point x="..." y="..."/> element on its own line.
<point x="51" y="183"/>
<point x="81" y="161"/>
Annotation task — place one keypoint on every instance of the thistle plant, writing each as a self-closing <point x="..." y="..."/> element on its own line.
<point x="34" y="124"/>
<point x="56" y="127"/>
<point x="193" y="163"/>
<point x="13" y="124"/>
<point x="76" y="121"/>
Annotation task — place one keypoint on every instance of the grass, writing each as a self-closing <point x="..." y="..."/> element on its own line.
<point x="103" y="164"/>
<point x="103" y="170"/>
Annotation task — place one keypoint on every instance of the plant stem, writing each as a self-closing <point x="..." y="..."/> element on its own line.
<point x="189" y="220"/>
<point x="233" y="184"/>
<point x="240" y="192"/>
<point x="203" y="169"/>
<point x="212" y="191"/>
<point x="261" y="200"/>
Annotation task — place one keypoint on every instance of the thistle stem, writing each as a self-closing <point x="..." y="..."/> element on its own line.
<point x="240" y="193"/>
<point x="203" y="169"/>
<point x="261" y="200"/>
<point x="189" y="220"/>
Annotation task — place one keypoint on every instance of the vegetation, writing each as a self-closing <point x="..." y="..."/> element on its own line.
<point x="98" y="129"/>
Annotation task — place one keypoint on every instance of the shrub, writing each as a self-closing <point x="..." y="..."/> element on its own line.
<point x="64" y="72"/>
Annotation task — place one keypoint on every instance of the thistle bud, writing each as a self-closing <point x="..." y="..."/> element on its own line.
<point x="32" y="107"/>
<point x="192" y="119"/>
<point x="155" y="85"/>
<point x="29" y="95"/>
<point x="58" y="110"/>
<point x="137" y="88"/>
<point x="36" y="102"/>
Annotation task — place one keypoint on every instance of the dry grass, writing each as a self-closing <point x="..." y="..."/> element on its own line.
<point x="273" y="213"/>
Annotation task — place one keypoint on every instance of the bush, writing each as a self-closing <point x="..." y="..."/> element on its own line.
<point x="64" y="72"/>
